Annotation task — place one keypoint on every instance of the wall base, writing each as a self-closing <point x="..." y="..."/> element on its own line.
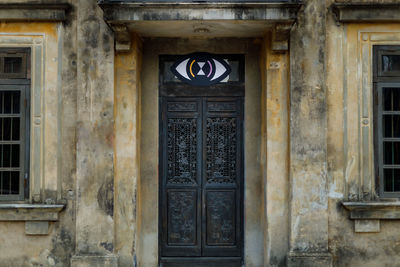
<point x="94" y="261"/>
<point x="309" y="259"/>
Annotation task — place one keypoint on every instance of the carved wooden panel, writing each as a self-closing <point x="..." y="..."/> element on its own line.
<point x="201" y="177"/>
<point x="221" y="106"/>
<point x="182" y="150"/>
<point x="221" y="212"/>
<point x="182" y="221"/>
<point x="180" y="106"/>
<point x="221" y="150"/>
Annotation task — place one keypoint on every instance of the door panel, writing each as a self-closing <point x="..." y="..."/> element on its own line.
<point x="201" y="176"/>
<point x="222" y="176"/>
<point x="182" y="219"/>
<point x="220" y="218"/>
<point x="180" y="190"/>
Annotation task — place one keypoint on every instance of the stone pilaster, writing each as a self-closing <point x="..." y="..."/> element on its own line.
<point x="95" y="137"/>
<point x="274" y="155"/>
<point x="308" y="140"/>
<point x="127" y="151"/>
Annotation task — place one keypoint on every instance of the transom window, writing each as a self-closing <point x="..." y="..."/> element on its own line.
<point x="14" y="123"/>
<point x="387" y="122"/>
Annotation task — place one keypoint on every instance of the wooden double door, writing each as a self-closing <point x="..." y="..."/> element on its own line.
<point x="201" y="181"/>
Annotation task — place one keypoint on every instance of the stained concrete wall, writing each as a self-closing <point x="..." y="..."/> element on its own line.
<point x="95" y="136"/>
<point x="77" y="93"/>
<point x="308" y="133"/>
<point x="57" y="178"/>
<point x="350" y="154"/>
<point x="331" y="140"/>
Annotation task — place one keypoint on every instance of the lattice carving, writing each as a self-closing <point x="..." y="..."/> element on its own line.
<point x="182" y="150"/>
<point x="181" y="217"/>
<point x="221" y="146"/>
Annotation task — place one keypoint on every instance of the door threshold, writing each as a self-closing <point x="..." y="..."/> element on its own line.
<point x="200" y="261"/>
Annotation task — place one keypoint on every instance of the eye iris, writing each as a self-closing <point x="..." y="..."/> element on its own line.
<point x="211" y="68"/>
<point x="193" y="68"/>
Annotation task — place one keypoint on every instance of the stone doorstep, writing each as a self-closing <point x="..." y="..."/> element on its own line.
<point x="35" y="216"/>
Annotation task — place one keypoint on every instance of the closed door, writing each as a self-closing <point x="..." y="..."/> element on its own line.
<point x="201" y="177"/>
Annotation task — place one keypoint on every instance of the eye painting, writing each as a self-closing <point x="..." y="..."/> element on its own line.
<point x="201" y="69"/>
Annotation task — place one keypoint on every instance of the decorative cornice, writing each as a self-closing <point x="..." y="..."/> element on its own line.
<point x="120" y="15"/>
<point x="33" y="12"/>
<point x="366" y="12"/>
<point x="126" y="12"/>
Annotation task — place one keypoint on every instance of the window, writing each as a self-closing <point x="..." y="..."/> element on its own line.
<point x="387" y="122"/>
<point x="14" y="123"/>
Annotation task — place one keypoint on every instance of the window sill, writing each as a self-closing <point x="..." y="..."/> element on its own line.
<point x="367" y="215"/>
<point x="35" y="216"/>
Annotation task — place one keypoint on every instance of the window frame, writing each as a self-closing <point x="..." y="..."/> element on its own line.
<point x="385" y="50"/>
<point x="22" y="82"/>
<point x="381" y="80"/>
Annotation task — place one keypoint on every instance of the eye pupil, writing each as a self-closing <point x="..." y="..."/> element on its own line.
<point x="201" y="65"/>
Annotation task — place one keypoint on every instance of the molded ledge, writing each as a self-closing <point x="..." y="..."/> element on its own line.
<point x="373" y="210"/>
<point x="33" y="12"/>
<point x="366" y="12"/>
<point x="29" y="212"/>
<point x="367" y="215"/>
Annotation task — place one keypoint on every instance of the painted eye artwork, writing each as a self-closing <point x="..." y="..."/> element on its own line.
<point x="201" y="69"/>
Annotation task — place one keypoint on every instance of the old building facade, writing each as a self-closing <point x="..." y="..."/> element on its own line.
<point x="108" y="159"/>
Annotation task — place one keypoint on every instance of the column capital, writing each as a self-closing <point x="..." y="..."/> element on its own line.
<point x="122" y="37"/>
<point x="280" y="37"/>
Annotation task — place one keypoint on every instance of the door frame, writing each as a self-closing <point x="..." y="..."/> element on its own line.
<point x="147" y="225"/>
<point x="176" y="89"/>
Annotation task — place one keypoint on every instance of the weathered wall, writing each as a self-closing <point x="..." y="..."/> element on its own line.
<point x="95" y="223"/>
<point x="350" y="154"/>
<point x="331" y="140"/>
<point x="295" y="178"/>
<point x="364" y="1"/>
<point x="308" y="133"/>
<point x="58" y="159"/>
